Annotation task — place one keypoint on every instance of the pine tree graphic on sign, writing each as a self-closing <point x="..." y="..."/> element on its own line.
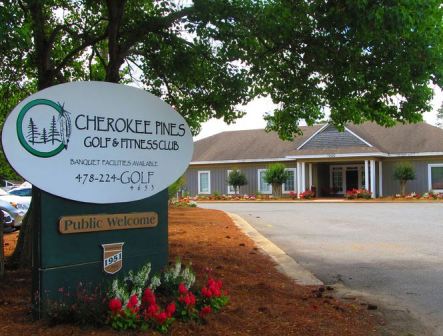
<point x="53" y="134"/>
<point x="33" y="132"/>
<point x="44" y="136"/>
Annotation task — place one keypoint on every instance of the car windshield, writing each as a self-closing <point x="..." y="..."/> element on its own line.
<point x="21" y="192"/>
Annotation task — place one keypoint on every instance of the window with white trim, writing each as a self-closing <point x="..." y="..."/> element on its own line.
<point x="337" y="180"/>
<point x="231" y="189"/>
<point x="290" y="183"/>
<point x="204" y="182"/>
<point x="435" y="177"/>
<point x="263" y="187"/>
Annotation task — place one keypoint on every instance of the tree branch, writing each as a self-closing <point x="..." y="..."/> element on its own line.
<point x="152" y="25"/>
<point x="75" y="51"/>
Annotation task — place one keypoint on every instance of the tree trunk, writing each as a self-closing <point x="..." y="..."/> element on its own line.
<point x="276" y="190"/>
<point x="22" y="256"/>
<point x="115" y="15"/>
<point x="2" y="256"/>
<point x="402" y="188"/>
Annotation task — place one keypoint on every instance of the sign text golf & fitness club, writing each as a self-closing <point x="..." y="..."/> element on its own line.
<point x="97" y="142"/>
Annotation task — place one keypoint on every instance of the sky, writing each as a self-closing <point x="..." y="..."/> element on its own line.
<point x="258" y="107"/>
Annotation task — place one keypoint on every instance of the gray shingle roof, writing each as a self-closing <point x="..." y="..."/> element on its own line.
<point x="257" y="144"/>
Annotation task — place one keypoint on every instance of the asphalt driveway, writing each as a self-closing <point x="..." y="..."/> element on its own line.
<point x="393" y="250"/>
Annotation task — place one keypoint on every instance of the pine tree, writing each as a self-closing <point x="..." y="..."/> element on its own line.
<point x="53" y="134"/>
<point x="44" y="136"/>
<point x="33" y="132"/>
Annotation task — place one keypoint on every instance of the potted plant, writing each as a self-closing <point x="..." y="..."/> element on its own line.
<point x="404" y="172"/>
<point x="237" y="179"/>
<point x="276" y="175"/>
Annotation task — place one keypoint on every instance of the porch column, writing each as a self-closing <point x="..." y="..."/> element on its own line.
<point x="366" y="175"/>
<point x="310" y="176"/>
<point x="303" y="176"/>
<point x="373" y="178"/>
<point x="380" y="179"/>
<point x="298" y="173"/>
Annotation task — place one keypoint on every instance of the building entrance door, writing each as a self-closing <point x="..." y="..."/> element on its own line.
<point x="351" y="178"/>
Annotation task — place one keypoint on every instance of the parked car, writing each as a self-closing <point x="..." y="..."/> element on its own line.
<point x="13" y="216"/>
<point x="20" y="199"/>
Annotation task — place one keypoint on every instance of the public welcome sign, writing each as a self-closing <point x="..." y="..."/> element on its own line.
<point x="97" y="142"/>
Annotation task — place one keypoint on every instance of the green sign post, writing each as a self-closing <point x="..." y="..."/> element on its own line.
<point x="61" y="262"/>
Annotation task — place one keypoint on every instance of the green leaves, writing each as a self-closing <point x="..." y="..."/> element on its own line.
<point x="404" y="171"/>
<point x="360" y="60"/>
<point x="276" y="174"/>
<point x="363" y="60"/>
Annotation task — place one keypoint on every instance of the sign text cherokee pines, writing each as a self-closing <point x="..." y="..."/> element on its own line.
<point x="85" y="122"/>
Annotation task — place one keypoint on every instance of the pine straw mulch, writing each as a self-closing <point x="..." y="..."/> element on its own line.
<point x="263" y="301"/>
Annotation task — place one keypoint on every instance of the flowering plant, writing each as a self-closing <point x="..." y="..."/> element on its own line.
<point x="412" y="195"/>
<point x="358" y="193"/>
<point x="293" y="195"/>
<point x="174" y="289"/>
<point x="432" y="195"/>
<point x="308" y="194"/>
<point x="184" y="202"/>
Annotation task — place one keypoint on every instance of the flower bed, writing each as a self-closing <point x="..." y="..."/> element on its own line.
<point x="136" y="302"/>
<point x="427" y="196"/>
<point x="253" y="197"/>
<point x="184" y="202"/>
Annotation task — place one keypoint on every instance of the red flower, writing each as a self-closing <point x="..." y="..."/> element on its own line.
<point x="213" y="288"/>
<point x="152" y="310"/>
<point x="206" y="293"/>
<point x="216" y="292"/>
<point x="132" y="303"/>
<point x="115" y="305"/>
<point x="205" y="311"/>
<point x="148" y="297"/>
<point x="182" y="288"/>
<point x="161" y="318"/>
<point x="188" y="299"/>
<point x="170" y="309"/>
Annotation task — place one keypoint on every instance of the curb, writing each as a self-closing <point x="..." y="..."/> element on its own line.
<point x="286" y="264"/>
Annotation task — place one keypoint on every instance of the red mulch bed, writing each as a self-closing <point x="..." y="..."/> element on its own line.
<point x="263" y="301"/>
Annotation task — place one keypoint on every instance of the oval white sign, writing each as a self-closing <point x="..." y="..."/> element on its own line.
<point x="97" y="142"/>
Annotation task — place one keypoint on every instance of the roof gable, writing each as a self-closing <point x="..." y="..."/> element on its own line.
<point x="329" y="137"/>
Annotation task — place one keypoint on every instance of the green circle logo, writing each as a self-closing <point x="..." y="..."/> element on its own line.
<point x="48" y="137"/>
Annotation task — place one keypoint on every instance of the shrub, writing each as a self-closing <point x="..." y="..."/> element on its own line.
<point x="404" y="172"/>
<point x="236" y="178"/>
<point x="276" y="175"/>
<point x="175" y="187"/>
<point x="84" y="306"/>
